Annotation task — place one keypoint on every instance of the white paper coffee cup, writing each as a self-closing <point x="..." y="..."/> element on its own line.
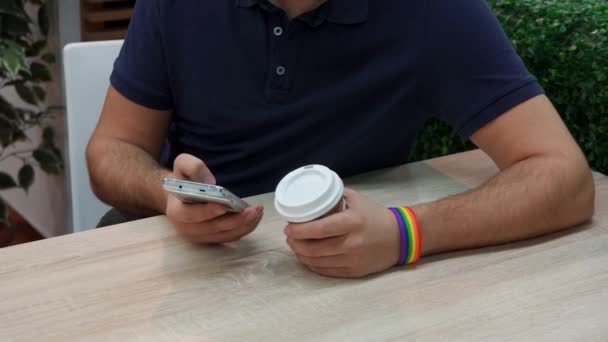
<point x="309" y="193"/>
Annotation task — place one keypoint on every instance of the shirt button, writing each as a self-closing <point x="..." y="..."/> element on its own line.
<point x="278" y="31"/>
<point x="280" y="70"/>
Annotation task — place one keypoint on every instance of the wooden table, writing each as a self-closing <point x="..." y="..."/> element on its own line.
<point x="139" y="281"/>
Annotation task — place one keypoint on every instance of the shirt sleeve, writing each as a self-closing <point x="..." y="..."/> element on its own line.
<point x="140" y="71"/>
<point x="473" y="73"/>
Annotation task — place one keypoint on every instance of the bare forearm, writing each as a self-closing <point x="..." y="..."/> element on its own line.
<point x="535" y="196"/>
<point x="126" y="177"/>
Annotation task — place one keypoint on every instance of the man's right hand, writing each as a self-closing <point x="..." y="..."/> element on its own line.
<point x="207" y="223"/>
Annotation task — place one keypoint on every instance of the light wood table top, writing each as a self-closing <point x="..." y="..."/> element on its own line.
<point x="139" y="281"/>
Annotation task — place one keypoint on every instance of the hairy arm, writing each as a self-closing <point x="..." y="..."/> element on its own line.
<point x="123" y="153"/>
<point x="544" y="185"/>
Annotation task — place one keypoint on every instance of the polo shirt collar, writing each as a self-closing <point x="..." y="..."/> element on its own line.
<point x="337" y="11"/>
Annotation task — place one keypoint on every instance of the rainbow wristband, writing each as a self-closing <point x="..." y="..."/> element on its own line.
<point x="411" y="240"/>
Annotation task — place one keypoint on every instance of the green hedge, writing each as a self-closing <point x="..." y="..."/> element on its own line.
<point x="565" y="44"/>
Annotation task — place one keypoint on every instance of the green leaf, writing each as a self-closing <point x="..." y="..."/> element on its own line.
<point x="25" y="75"/>
<point x="26" y="176"/>
<point x="6" y="181"/>
<point x="7" y="109"/>
<point x="10" y="132"/>
<point x="48" y="135"/>
<point x="48" y="160"/>
<point x="49" y="58"/>
<point x="25" y="93"/>
<point x="40" y="93"/>
<point x="10" y="135"/>
<point x="19" y="135"/>
<point x="15" y="26"/>
<point x="12" y="7"/>
<point x="36" y="48"/>
<point x="40" y="72"/>
<point x="6" y="132"/>
<point x="43" y="19"/>
<point x="12" y="57"/>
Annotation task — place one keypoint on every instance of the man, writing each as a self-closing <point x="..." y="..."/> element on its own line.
<point x="241" y="92"/>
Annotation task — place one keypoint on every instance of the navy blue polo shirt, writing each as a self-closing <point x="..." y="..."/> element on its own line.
<point x="347" y="85"/>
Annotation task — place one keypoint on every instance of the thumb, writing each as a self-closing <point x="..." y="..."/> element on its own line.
<point x="192" y="168"/>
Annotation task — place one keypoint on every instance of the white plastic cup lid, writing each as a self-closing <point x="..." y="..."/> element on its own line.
<point x="308" y="193"/>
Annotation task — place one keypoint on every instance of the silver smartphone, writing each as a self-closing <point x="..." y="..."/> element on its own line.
<point x="192" y="192"/>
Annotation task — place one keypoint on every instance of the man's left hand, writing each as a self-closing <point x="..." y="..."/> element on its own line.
<point x="361" y="240"/>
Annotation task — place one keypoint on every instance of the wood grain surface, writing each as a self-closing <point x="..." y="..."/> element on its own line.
<point x="138" y="281"/>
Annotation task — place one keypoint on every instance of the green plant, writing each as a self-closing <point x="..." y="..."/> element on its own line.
<point x="565" y="44"/>
<point x="24" y="61"/>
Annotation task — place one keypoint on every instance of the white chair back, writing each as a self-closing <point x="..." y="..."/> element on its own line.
<point x="87" y="68"/>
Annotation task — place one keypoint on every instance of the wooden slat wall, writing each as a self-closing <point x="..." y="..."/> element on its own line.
<point x="105" y="19"/>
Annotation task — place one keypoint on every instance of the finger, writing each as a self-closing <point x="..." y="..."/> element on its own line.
<point x="234" y="221"/>
<point x="335" y="261"/>
<point x="330" y="226"/>
<point x="192" y="168"/>
<point x="318" y="248"/>
<point x="177" y="211"/>
<point x="352" y="198"/>
<point x="336" y="272"/>
<point x="222" y="223"/>
<point x="349" y="193"/>
<point x="235" y="234"/>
